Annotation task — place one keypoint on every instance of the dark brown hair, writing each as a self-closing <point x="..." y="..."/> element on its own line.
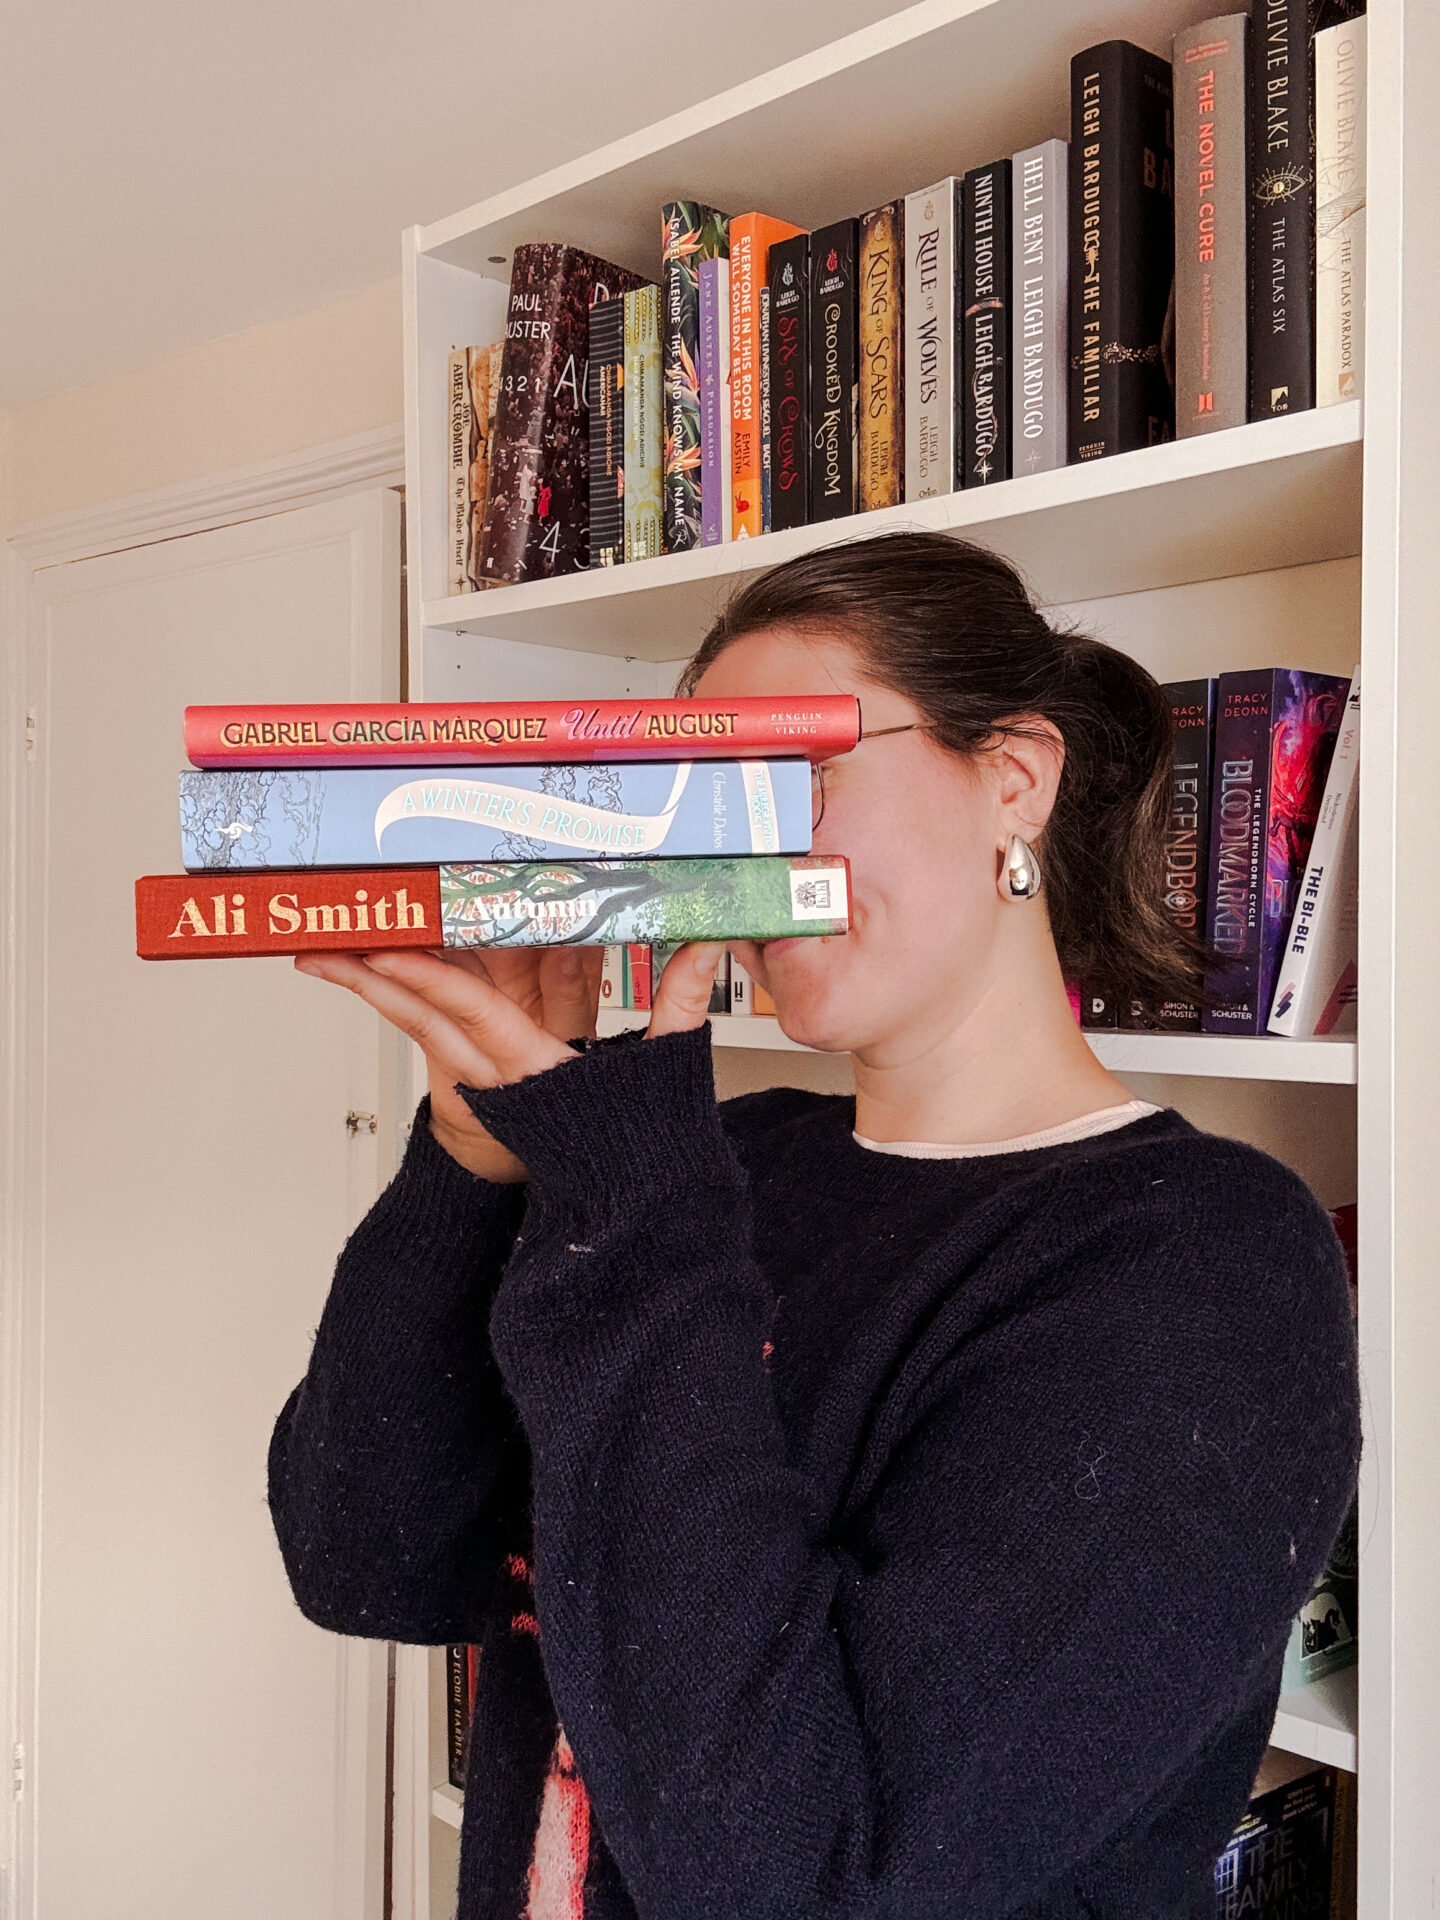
<point x="952" y="627"/>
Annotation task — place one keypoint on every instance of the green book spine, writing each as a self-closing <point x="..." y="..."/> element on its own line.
<point x="658" y="902"/>
<point x="644" y="435"/>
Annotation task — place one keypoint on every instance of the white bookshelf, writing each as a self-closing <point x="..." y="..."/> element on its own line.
<point x="1290" y="540"/>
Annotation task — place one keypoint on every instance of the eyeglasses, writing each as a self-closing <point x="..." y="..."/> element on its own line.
<point x="817" y="767"/>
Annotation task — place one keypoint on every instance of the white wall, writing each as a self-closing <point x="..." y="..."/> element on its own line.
<point x="233" y="402"/>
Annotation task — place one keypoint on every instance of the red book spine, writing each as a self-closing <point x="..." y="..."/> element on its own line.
<point x="503" y="732"/>
<point x="215" y="916"/>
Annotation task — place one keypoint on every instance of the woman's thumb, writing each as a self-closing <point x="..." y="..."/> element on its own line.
<point x="682" y="999"/>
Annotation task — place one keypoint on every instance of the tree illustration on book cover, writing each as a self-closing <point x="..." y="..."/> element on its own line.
<point x="689" y="233"/>
<point x="655" y="903"/>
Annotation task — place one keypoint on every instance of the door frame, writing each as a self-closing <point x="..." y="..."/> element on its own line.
<point x="306" y="478"/>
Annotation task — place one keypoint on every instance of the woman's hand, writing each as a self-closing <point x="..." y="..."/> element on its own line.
<point x="486" y="1019"/>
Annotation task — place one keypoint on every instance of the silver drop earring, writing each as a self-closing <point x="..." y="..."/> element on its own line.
<point x="1020" y="879"/>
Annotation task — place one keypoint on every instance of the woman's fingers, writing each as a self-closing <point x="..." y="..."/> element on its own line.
<point x="495" y="1027"/>
<point x="438" y="1036"/>
<point x="570" y="990"/>
<point x="683" y="997"/>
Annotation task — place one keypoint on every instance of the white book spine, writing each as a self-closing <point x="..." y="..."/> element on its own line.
<point x="930" y="260"/>
<point x="1039" y="369"/>
<point x="739" y="988"/>
<point x="1315" y="982"/>
<point x="457" y="579"/>
<point x="1340" y="212"/>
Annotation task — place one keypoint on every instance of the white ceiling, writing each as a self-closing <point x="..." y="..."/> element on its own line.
<point x="176" y="170"/>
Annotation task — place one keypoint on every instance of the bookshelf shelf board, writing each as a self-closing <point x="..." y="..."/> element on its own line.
<point x="447" y="1804"/>
<point x="1319" y="1721"/>
<point x="1274" y="493"/>
<point x="1207" y="1056"/>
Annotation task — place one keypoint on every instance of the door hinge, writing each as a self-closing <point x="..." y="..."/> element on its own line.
<point x="359" y="1123"/>
<point x="32" y="734"/>
<point x="17" y="1770"/>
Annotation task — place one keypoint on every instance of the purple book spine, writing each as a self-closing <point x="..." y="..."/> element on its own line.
<point x="712" y="497"/>
<point x="1239" y="801"/>
<point x="1274" y="733"/>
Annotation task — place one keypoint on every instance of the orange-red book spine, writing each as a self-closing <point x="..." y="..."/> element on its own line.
<point x="224" y="914"/>
<point x="751" y="238"/>
<point x="503" y="732"/>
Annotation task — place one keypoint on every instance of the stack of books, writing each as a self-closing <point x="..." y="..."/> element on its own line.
<point x="1191" y="259"/>
<point x="613" y="823"/>
<point x="1262" y="855"/>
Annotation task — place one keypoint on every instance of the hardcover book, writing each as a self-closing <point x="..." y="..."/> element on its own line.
<point x="751" y="237"/>
<point x="1040" y="308"/>
<point x="482" y="376"/>
<point x="689" y="233"/>
<point x="1282" y="211"/>
<point x="790" y="382"/>
<point x="880" y="409"/>
<point x="834" y="324"/>
<point x="501" y="731"/>
<point x="1211" y="245"/>
<point x="607" y="432"/>
<point x="537" y="517"/>
<point x="1315" y="988"/>
<point x="414" y="816"/>
<point x="527" y="904"/>
<point x="1275" y="731"/>
<point x="1293" y="1853"/>
<point x="1122" y="250"/>
<point x="644" y="432"/>
<point x="1340" y="135"/>
<point x="714" y="402"/>
<point x="983" y="427"/>
<point x="1187" y="841"/>
<point x="932" y="224"/>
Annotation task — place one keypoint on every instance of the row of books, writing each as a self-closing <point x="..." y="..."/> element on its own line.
<point x="1191" y="259"/>
<point x="524" y="838"/>
<point x="1262" y="848"/>
<point x="631" y="974"/>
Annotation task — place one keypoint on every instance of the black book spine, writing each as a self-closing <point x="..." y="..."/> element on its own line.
<point x="788" y="280"/>
<point x="834" y="369"/>
<point x="982" y="436"/>
<point x="607" y="432"/>
<point x="1282" y="209"/>
<point x="1187" y="841"/>
<point x="1122" y="250"/>
<point x="457" y="1717"/>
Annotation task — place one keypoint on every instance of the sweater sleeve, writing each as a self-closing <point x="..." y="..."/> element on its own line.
<point x="384" y="1462"/>
<point x="1032" y="1625"/>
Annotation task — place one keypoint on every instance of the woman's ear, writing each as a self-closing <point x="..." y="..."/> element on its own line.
<point x="1026" y="770"/>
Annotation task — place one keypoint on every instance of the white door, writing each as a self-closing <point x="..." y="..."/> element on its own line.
<point x="196" y="1747"/>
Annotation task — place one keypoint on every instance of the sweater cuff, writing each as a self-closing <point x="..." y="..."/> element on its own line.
<point x="629" y="1116"/>
<point x="434" y="1201"/>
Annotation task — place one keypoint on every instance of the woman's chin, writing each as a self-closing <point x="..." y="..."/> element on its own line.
<point x="810" y="1000"/>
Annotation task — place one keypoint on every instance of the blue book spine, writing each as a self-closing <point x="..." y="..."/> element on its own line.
<point x="415" y="816"/>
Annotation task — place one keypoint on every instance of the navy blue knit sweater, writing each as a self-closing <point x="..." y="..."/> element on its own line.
<point x="847" y="1535"/>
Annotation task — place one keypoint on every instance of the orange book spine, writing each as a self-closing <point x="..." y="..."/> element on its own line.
<point x="227" y="912"/>
<point x="751" y="238"/>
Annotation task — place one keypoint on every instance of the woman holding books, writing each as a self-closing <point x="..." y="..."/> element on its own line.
<point x="890" y="1507"/>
